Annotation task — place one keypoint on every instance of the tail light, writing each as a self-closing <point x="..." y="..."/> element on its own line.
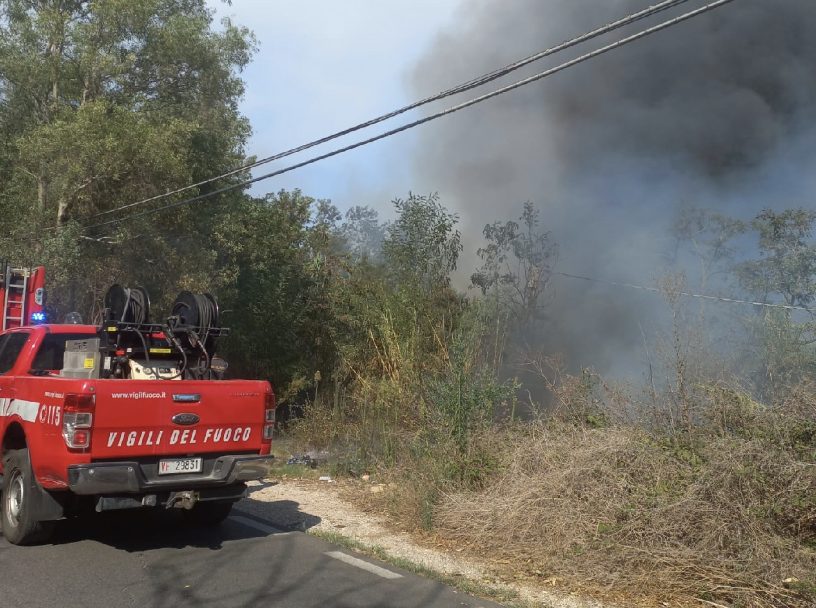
<point x="77" y="420"/>
<point x="269" y="417"/>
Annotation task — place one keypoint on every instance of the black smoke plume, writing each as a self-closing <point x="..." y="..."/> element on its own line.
<point x="717" y="112"/>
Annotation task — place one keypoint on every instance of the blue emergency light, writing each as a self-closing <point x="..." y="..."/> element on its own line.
<point x="37" y="318"/>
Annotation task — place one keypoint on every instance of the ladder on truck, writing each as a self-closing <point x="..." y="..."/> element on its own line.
<point x="22" y="294"/>
<point x="15" y="293"/>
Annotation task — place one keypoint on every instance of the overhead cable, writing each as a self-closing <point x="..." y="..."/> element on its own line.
<point x="495" y="93"/>
<point x="682" y="293"/>
<point x="466" y="86"/>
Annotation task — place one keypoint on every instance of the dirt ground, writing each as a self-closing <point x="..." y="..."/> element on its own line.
<point x="324" y="507"/>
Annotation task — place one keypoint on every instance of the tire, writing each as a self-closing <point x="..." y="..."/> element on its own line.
<point x="18" y="503"/>
<point x="209" y="513"/>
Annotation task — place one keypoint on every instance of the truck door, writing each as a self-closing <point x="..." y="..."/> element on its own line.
<point x="5" y="389"/>
<point x="11" y="345"/>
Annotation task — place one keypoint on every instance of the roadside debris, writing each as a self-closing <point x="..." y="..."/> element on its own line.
<point x="302" y="459"/>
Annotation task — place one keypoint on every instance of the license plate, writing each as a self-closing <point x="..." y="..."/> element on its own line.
<point x="171" y="466"/>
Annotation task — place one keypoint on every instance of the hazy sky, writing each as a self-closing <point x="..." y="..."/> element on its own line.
<point x="324" y="65"/>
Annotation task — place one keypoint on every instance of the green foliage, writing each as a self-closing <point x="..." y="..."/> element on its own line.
<point x="102" y="103"/>
<point x="782" y="270"/>
<point x="95" y="154"/>
<point x="786" y="269"/>
<point x="415" y="384"/>
<point x="422" y="246"/>
<point x="274" y="250"/>
<point x="785" y="351"/>
<point x="517" y="264"/>
<point x="467" y="396"/>
<point x="363" y="234"/>
<point x="787" y="263"/>
<point x="710" y="236"/>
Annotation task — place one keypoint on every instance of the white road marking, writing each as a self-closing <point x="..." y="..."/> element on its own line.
<point x="363" y="565"/>
<point x="251" y="523"/>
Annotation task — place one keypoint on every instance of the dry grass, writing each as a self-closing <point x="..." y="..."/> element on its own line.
<point x="695" y="494"/>
<point x="724" y="519"/>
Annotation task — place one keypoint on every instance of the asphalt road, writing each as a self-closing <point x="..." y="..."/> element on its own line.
<point x="152" y="560"/>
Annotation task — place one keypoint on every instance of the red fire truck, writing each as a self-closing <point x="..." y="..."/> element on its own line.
<point x="124" y="414"/>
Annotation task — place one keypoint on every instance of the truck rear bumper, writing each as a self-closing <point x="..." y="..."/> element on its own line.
<point x="136" y="478"/>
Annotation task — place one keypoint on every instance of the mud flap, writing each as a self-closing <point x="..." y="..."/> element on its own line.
<point x="46" y="506"/>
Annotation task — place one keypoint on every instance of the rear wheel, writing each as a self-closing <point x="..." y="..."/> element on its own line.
<point x="20" y="526"/>
<point x="209" y="513"/>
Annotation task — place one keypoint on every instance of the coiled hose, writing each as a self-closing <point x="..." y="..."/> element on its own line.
<point x="197" y="315"/>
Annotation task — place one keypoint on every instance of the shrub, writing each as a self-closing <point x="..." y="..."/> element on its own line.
<point x="725" y="515"/>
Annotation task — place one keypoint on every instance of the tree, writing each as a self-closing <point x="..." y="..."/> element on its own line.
<point x="787" y="263"/>
<point x="710" y="237"/>
<point x="277" y="296"/>
<point x="363" y="233"/>
<point x="786" y="270"/>
<point x="158" y="60"/>
<point x="517" y="263"/>
<point x="103" y="103"/>
<point x="422" y="245"/>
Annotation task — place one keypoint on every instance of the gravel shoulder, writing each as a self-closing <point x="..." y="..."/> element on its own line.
<point x="324" y="509"/>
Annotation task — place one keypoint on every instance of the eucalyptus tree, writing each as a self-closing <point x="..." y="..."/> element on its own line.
<point x="106" y="102"/>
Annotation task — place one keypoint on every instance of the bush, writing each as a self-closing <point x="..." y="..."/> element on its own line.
<point x="726" y="515"/>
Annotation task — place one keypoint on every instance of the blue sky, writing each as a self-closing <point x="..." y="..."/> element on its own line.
<point x="324" y="65"/>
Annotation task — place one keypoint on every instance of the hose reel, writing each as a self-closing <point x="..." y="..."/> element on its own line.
<point x="128" y="305"/>
<point x="194" y="320"/>
<point x="196" y="312"/>
<point x="185" y="340"/>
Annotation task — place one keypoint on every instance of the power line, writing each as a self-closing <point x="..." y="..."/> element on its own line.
<point x="682" y="293"/>
<point x="466" y="86"/>
<point x="411" y="125"/>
